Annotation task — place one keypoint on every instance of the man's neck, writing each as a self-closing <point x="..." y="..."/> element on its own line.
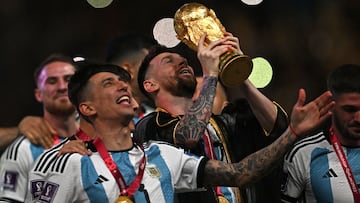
<point x="65" y="126"/>
<point x="174" y="105"/>
<point x="115" y="138"/>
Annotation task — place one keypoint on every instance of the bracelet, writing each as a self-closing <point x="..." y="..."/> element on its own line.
<point x="293" y="131"/>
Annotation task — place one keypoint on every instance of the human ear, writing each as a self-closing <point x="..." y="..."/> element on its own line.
<point x="150" y="86"/>
<point x="87" y="109"/>
<point x="37" y="94"/>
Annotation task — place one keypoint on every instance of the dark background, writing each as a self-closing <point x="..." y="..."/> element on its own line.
<point x="302" y="39"/>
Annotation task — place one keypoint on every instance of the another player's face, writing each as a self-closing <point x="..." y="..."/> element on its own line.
<point x="346" y="114"/>
<point x="111" y="97"/>
<point x="52" y="88"/>
<point x="174" y="74"/>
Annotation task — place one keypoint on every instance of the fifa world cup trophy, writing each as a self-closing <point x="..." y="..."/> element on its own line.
<point x="191" y="21"/>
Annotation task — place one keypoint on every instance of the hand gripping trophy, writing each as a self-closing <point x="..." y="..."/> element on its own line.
<point x="191" y="21"/>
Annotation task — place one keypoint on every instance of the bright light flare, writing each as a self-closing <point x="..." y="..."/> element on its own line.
<point x="252" y="2"/>
<point x="99" y="3"/>
<point x="164" y="32"/>
<point x="262" y="72"/>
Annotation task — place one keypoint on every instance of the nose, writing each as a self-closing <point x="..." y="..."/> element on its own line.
<point x="357" y="116"/>
<point x="123" y="86"/>
<point x="183" y="62"/>
<point x="134" y="104"/>
<point x="63" y="84"/>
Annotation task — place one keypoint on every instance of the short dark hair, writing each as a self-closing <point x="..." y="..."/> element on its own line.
<point x="344" y="79"/>
<point x="153" y="52"/>
<point x="84" y="70"/>
<point x="124" y="45"/>
<point x="52" y="58"/>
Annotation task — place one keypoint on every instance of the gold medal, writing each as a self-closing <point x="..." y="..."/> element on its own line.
<point x="124" y="199"/>
<point x="222" y="199"/>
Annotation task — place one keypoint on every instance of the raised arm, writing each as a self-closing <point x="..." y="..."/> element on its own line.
<point x="304" y="118"/>
<point x="263" y="108"/>
<point x="193" y="123"/>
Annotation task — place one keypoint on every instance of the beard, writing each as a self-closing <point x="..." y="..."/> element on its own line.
<point x="343" y="128"/>
<point x="62" y="109"/>
<point x="183" y="88"/>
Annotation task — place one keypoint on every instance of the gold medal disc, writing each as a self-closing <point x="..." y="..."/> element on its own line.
<point x="124" y="199"/>
<point x="222" y="199"/>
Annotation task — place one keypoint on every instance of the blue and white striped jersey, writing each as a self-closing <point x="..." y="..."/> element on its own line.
<point x="15" y="163"/>
<point x="313" y="172"/>
<point x="77" y="178"/>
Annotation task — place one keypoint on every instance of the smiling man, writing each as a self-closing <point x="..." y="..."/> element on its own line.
<point x="51" y="78"/>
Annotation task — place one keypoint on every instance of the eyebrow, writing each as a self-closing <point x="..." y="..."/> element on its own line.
<point x="55" y="77"/>
<point x="168" y="56"/>
<point x="110" y="78"/>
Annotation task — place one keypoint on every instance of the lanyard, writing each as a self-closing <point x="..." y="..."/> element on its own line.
<point x="111" y="165"/>
<point x="345" y="165"/>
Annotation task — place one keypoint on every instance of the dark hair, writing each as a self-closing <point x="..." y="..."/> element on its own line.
<point x="127" y="44"/>
<point x="344" y="79"/>
<point x="52" y="58"/>
<point x="153" y="52"/>
<point x="86" y="69"/>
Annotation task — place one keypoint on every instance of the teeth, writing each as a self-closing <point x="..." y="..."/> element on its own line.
<point x="184" y="70"/>
<point x="123" y="98"/>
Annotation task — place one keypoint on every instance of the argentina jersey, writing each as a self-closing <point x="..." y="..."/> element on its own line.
<point x="15" y="163"/>
<point x="222" y="154"/>
<point x="313" y="172"/>
<point x="76" y="178"/>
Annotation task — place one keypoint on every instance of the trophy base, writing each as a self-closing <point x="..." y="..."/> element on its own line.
<point x="234" y="68"/>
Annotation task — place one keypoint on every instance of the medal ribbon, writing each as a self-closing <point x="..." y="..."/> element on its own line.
<point x="82" y="135"/>
<point x="56" y="139"/>
<point x="130" y="191"/>
<point x="209" y="149"/>
<point x="345" y="165"/>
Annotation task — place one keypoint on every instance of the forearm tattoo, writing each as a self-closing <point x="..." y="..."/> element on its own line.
<point x="251" y="168"/>
<point x="192" y="125"/>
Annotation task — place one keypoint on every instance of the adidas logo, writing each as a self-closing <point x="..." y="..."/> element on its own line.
<point x="101" y="179"/>
<point x="330" y="174"/>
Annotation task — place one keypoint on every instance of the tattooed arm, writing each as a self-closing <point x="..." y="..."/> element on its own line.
<point x="193" y="123"/>
<point x="304" y="118"/>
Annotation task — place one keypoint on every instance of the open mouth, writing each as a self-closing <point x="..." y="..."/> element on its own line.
<point x="185" y="71"/>
<point x="123" y="99"/>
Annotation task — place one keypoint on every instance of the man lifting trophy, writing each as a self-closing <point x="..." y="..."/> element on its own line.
<point x="191" y="21"/>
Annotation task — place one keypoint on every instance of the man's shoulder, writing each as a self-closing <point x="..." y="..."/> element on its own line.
<point x="19" y="147"/>
<point x="51" y="161"/>
<point x="305" y="146"/>
<point x="144" y="120"/>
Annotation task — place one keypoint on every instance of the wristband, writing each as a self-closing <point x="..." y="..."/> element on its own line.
<point x="293" y="131"/>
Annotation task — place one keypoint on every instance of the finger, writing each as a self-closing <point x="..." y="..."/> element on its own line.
<point x="30" y="136"/>
<point x="226" y="34"/>
<point x="217" y="43"/>
<point x="221" y="49"/>
<point x="301" y="98"/>
<point x="325" y="116"/>
<point x="323" y="99"/>
<point x="202" y="41"/>
<point x="326" y="109"/>
<point x="50" y="128"/>
<point x="49" y="132"/>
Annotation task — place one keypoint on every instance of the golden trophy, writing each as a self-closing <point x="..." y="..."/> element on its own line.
<point x="191" y="21"/>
